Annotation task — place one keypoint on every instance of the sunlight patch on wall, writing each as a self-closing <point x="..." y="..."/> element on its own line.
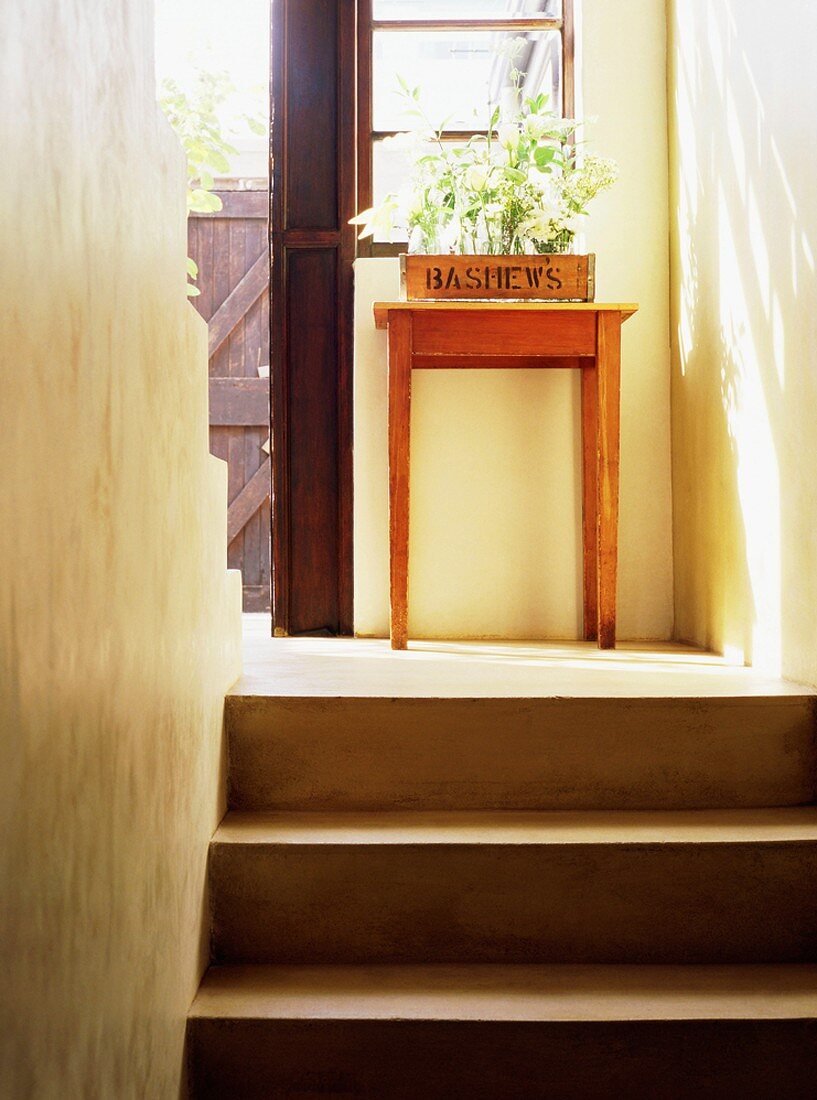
<point x="687" y="212"/>
<point x="752" y="441"/>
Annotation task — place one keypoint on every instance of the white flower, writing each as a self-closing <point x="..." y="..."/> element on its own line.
<point x="548" y="220"/>
<point x="476" y="177"/>
<point x="595" y="174"/>
<point x="377" y="219"/>
<point x="412" y="203"/>
<point x="535" y="126"/>
<point x="508" y="134"/>
<point x="550" y="188"/>
<point x="537" y="224"/>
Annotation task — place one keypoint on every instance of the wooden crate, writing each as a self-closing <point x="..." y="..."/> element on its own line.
<point x="546" y="278"/>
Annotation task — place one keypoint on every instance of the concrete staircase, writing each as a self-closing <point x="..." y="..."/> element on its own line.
<point x="576" y="896"/>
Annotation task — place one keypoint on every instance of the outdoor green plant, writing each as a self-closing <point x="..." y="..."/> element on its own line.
<point x="519" y="188"/>
<point x="194" y="117"/>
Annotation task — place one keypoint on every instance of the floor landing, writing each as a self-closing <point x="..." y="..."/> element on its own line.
<point x="368" y="668"/>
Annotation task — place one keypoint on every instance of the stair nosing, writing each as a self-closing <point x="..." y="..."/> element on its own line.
<point x="772" y="825"/>
<point x="474" y="992"/>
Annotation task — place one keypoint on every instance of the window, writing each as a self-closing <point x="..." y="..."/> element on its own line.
<point x="453" y="50"/>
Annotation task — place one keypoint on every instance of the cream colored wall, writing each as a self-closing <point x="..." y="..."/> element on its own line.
<point x="495" y="510"/>
<point x="119" y="625"/>
<point x="744" y="162"/>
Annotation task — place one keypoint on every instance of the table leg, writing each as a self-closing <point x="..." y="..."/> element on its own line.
<point x="590" y="443"/>
<point x="608" y="365"/>
<point x="399" y="435"/>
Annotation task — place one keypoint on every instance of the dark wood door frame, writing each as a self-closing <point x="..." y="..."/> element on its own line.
<point x="313" y="173"/>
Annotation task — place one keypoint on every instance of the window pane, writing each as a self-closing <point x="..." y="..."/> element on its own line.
<point x="391" y="167"/>
<point x="458" y="74"/>
<point x="465" y="9"/>
<point x="391" y="174"/>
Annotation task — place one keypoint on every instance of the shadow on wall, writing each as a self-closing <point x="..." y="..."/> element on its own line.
<point x="744" y="391"/>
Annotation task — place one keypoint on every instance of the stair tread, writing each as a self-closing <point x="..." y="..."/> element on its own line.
<point x="520" y="992"/>
<point x="417" y="827"/>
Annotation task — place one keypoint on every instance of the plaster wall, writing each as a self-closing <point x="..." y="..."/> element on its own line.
<point x="744" y="387"/>
<point x="119" y="624"/>
<point x="495" y="510"/>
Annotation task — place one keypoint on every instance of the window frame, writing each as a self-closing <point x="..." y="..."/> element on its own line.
<point x="368" y="136"/>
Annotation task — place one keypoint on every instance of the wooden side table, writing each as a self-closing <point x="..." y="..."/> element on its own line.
<point x="585" y="336"/>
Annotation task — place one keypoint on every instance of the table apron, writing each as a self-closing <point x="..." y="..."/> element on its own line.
<point x="501" y="362"/>
<point x="560" y="334"/>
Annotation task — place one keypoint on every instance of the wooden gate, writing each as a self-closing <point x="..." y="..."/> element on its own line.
<point x="231" y="250"/>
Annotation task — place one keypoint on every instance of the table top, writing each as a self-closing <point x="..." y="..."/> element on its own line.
<point x="383" y="309"/>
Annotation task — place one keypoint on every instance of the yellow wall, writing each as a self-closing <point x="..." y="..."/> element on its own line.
<point x="119" y="626"/>
<point x="744" y="165"/>
<point x="495" y="509"/>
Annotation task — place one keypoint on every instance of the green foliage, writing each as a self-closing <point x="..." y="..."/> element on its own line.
<point x="192" y="273"/>
<point x="518" y="188"/>
<point x="194" y="117"/>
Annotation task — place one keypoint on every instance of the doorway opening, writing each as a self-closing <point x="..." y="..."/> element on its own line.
<point x="212" y="68"/>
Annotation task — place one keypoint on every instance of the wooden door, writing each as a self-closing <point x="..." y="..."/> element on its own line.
<point x="232" y="251"/>
<point x="313" y="197"/>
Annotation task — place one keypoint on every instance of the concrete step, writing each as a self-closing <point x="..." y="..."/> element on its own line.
<point x="501" y="1032"/>
<point x="727" y="886"/>
<point x="753" y="748"/>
